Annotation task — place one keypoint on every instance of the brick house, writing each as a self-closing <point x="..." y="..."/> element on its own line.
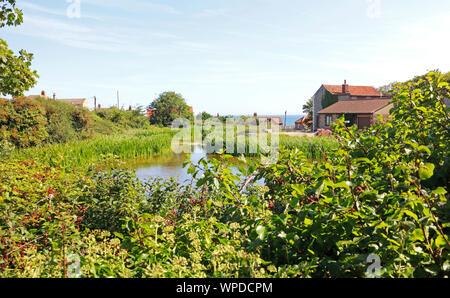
<point x="271" y="120"/>
<point x="78" y="102"/>
<point x="360" y="104"/>
<point x="303" y="123"/>
<point x="362" y="112"/>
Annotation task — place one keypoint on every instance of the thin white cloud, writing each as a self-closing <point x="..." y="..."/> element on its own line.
<point x="210" y="13"/>
<point x="28" y="6"/>
<point x="134" y="5"/>
<point x="106" y="38"/>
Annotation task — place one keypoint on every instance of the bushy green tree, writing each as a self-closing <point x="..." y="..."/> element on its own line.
<point x="16" y="75"/>
<point x="168" y="107"/>
<point x="125" y="119"/>
<point x="308" y="107"/>
<point x="9" y="14"/>
<point x="204" y="116"/>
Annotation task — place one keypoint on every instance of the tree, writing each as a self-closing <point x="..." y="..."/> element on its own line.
<point x="15" y="73"/>
<point x="168" y="107"/>
<point x="309" y="107"/>
<point x="204" y="116"/>
<point x="9" y="14"/>
<point x="389" y="88"/>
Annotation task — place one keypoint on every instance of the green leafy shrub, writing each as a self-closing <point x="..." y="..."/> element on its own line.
<point x="125" y="119"/>
<point x="38" y="219"/>
<point x="115" y="196"/>
<point x="23" y="122"/>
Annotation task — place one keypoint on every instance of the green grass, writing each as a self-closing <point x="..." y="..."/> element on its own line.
<point x="140" y="144"/>
<point x="310" y="146"/>
<point x="129" y="145"/>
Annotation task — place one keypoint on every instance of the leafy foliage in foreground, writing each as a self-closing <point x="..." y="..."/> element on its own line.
<point x="383" y="192"/>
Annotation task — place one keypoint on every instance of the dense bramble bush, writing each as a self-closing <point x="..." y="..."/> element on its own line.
<point x="23" y="122"/>
<point x="28" y="122"/>
<point x="66" y="122"/>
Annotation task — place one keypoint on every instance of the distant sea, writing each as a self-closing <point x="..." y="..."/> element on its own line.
<point x="290" y="119"/>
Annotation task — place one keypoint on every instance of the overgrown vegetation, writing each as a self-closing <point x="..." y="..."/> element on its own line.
<point x="382" y="191"/>
<point x="131" y="144"/>
<point x="312" y="148"/>
<point x="126" y="119"/>
<point x="329" y="99"/>
<point x="26" y="122"/>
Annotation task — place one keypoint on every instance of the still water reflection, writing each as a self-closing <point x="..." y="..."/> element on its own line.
<point x="171" y="165"/>
<point x="168" y="165"/>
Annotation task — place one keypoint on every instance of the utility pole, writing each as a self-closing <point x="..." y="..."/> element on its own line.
<point x="95" y="103"/>
<point x="285" y="119"/>
<point x="118" y="101"/>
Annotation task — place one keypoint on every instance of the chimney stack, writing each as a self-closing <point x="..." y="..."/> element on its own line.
<point x="54" y="96"/>
<point x="345" y="87"/>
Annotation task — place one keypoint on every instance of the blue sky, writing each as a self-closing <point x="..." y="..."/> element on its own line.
<point x="228" y="56"/>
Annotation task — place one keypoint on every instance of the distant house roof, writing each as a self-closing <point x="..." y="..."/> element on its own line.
<point x="367" y="106"/>
<point x="303" y="120"/>
<point x="276" y="120"/>
<point x="354" y="90"/>
<point x="37" y="96"/>
<point x="73" y="101"/>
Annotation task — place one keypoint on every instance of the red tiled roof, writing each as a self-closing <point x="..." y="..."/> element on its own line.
<point x="302" y="120"/>
<point x="367" y="106"/>
<point x="276" y="120"/>
<point x="354" y="90"/>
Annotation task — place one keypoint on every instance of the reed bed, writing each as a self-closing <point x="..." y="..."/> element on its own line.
<point x="311" y="147"/>
<point x="130" y="145"/>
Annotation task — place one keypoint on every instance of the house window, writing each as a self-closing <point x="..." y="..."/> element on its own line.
<point x="328" y="120"/>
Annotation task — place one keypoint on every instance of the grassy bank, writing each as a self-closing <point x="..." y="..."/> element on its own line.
<point x="141" y="144"/>
<point x="129" y="145"/>
<point x="311" y="147"/>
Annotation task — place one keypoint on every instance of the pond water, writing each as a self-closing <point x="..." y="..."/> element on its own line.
<point x="167" y="165"/>
<point x="170" y="165"/>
